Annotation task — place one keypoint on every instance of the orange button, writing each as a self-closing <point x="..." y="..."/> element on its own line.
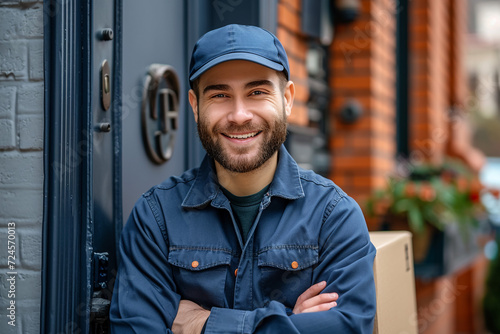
<point x="236" y="272"/>
<point x="194" y="264"/>
<point x="295" y="264"/>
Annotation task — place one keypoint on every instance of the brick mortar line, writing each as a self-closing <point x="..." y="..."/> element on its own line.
<point x="290" y="7"/>
<point x="20" y="223"/>
<point x="22" y="38"/>
<point x="20" y="186"/>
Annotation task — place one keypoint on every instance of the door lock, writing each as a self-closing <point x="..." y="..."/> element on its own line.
<point x="107" y="34"/>
<point x="104" y="127"/>
<point x="101" y="261"/>
<point x="105" y="85"/>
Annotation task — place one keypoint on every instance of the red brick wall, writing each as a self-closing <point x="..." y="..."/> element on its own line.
<point x="469" y="311"/>
<point x="460" y="134"/>
<point x="429" y="35"/>
<point x="362" y="67"/>
<point x="288" y="32"/>
<point x="436" y="302"/>
<point x="453" y="304"/>
<point x="458" y="30"/>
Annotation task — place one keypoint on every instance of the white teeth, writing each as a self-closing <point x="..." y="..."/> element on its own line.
<point x="245" y="136"/>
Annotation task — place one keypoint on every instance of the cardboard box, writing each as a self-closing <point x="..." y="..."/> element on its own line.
<point x="395" y="283"/>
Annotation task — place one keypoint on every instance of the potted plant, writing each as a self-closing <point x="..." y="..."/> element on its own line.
<point x="429" y="200"/>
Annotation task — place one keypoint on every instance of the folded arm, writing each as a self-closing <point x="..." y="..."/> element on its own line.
<point x="346" y="266"/>
<point x="191" y="317"/>
<point x="145" y="298"/>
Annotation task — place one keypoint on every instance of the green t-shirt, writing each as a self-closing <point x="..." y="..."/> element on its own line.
<point x="245" y="209"/>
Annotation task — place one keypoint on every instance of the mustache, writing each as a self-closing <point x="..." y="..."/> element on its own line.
<point x="249" y="127"/>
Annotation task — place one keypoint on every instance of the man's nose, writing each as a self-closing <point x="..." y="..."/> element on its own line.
<point x="240" y="113"/>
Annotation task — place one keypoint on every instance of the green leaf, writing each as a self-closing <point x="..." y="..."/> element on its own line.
<point x="415" y="219"/>
<point x="402" y="206"/>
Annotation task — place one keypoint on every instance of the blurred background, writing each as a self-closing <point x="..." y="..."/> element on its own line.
<point x="397" y="101"/>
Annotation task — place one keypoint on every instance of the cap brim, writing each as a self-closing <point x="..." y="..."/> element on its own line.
<point x="237" y="56"/>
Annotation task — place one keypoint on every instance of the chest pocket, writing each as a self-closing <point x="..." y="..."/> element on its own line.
<point x="200" y="273"/>
<point x="286" y="271"/>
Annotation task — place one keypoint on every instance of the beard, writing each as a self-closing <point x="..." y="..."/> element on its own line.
<point x="241" y="162"/>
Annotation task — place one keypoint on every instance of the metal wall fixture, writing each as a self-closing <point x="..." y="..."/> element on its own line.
<point x="351" y="111"/>
<point x="160" y="112"/>
<point x="347" y="11"/>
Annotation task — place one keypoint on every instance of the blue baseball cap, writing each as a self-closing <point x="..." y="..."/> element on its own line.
<point x="237" y="42"/>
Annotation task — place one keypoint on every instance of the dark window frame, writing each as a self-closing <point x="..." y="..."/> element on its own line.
<point x="402" y="81"/>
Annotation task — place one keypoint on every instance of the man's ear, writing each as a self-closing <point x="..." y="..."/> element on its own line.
<point x="289" y="95"/>
<point x="193" y="101"/>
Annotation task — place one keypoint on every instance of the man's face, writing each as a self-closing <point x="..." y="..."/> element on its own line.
<point x="241" y="113"/>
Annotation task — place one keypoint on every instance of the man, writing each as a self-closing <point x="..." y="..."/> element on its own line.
<point x="248" y="242"/>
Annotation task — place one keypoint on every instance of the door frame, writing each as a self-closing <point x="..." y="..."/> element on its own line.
<point x="68" y="130"/>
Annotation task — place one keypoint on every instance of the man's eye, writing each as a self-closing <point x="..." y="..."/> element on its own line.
<point x="219" y="95"/>
<point x="257" y="92"/>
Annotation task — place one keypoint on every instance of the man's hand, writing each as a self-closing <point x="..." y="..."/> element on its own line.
<point x="190" y="318"/>
<point x="312" y="301"/>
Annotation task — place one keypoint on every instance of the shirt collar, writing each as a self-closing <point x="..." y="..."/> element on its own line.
<point x="286" y="182"/>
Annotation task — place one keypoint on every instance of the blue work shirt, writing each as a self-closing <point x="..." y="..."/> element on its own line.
<point x="182" y="242"/>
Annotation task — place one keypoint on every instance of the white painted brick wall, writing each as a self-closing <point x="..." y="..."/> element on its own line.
<point x="21" y="158"/>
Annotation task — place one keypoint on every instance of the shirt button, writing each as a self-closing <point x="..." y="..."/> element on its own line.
<point x="195" y="264"/>
<point x="295" y="264"/>
<point x="236" y="272"/>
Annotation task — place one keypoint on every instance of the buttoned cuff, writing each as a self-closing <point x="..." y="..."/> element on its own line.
<point x="223" y="320"/>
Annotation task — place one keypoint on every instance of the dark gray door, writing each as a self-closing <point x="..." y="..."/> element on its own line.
<point x="138" y="115"/>
<point x="153" y="35"/>
<point x="138" y="108"/>
<point x="105" y="129"/>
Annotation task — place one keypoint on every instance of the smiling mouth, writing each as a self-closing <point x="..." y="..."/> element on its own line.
<point x="242" y="136"/>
